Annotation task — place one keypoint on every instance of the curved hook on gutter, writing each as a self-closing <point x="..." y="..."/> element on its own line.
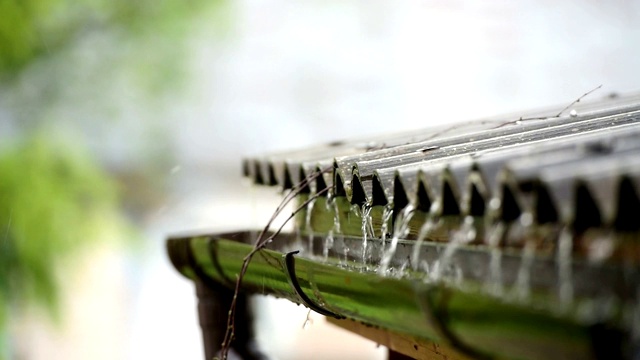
<point x="290" y="267"/>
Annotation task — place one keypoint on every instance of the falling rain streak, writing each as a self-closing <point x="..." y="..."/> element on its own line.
<point x="424" y="233"/>
<point x="400" y="231"/>
<point x="307" y="224"/>
<point x="494" y="238"/>
<point x="367" y="232"/>
<point x="466" y="234"/>
<point x="426" y="256"/>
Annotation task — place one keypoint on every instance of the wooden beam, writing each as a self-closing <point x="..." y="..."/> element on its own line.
<point x="405" y="344"/>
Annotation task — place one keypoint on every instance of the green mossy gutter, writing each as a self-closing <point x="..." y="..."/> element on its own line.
<point x="488" y="326"/>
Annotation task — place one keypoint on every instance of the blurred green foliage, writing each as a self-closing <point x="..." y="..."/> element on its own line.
<point x="32" y="28"/>
<point x="54" y="200"/>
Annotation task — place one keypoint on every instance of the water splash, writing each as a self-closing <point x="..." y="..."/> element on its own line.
<point x="401" y="270"/>
<point x="465" y="235"/>
<point x="424" y="264"/>
<point x="425" y="231"/>
<point x="331" y="205"/>
<point x="384" y="226"/>
<point x="564" y="261"/>
<point x="401" y="230"/>
<point x="331" y="197"/>
<point x="367" y="231"/>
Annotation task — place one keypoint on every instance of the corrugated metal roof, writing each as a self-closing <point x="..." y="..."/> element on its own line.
<point x="589" y="153"/>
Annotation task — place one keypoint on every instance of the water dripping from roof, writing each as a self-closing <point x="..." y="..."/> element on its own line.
<point x="400" y="231"/>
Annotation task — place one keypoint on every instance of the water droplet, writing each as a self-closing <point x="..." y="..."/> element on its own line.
<point x="526" y="219"/>
<point x="494" y="203"/>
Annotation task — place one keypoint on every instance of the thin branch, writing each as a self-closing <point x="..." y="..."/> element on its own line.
<point x="260" y="243"/>
<point x="578" y="99"/>
<point x="512" y="122"/>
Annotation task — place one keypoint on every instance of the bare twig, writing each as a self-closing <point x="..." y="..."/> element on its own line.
<point x="260" y="243"/>
<point x="512" y="122"/>
<point x="578" y="100"/>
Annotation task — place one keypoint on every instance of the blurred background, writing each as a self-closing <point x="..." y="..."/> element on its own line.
<point x="122" y="122"/>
